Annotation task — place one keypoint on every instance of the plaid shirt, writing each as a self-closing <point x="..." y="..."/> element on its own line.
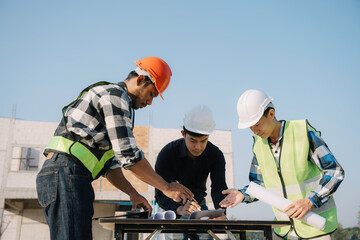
<point x="102" y="118"/>
<point x="321" y="156"/>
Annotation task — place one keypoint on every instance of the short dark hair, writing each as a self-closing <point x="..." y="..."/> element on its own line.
<point x="192" y="133"/>
<point x="133" y="74"/>
<point x="267" y="111"/>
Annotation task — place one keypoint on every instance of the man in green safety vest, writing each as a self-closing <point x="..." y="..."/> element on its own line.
<point x="293" y="161"/>
<point x="95" y="138"/>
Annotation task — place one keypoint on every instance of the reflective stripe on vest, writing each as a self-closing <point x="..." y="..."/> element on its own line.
<point x="82" y="153"/>
<point x="298" y="174"/>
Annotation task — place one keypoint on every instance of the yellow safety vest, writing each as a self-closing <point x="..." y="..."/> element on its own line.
<point x="295" y="177"/>
<point x="80" y="152"/>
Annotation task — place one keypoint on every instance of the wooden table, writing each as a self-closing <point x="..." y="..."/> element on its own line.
<point x="155" y="227"/>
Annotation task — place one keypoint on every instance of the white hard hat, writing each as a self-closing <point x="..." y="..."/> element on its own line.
<point x="199" y="120"/>
<point x="251" y="106"/>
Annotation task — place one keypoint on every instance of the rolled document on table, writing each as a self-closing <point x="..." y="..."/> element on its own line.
<point x="281" y="203"/>
<point x="169" y="215"/>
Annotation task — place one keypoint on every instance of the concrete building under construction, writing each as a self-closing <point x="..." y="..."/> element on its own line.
<point x="21" y="146"/>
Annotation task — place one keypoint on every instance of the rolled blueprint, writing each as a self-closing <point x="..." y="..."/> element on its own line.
<point x="159" y="215"/>
<point x="169" y="215"/>
<point x="281" y="203"/>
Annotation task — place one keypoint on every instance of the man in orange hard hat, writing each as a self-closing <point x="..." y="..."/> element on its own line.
<point x="95" y="138"/>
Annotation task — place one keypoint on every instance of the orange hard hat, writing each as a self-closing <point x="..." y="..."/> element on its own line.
<point x="159" y="71"/>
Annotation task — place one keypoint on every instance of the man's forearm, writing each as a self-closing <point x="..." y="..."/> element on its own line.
<point x="165" y="202"/>
<point x="143" y="171"/>
<point x="117" y="178"/>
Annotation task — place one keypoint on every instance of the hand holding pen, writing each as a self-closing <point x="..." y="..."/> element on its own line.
<point x="189" y="207"/>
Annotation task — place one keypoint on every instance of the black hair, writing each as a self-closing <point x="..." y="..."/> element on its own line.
<point x="267" y="111"/>
<point x="192" y="133"/>
<point x="133" y="74"/>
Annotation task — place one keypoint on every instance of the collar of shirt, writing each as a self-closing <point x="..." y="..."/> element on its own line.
<point x="275" y="148"/>
<point x="123" y="86"/>
<point x="184" y="152"/>
<point x="280" y="136"/>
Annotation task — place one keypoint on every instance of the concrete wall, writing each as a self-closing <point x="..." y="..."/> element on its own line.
<point x="6" y="132"/>
<point x="103" y="210"/>
<point x="18" y="222"/>
<point x="25" y="224"/>
<point x="30" y="224"/>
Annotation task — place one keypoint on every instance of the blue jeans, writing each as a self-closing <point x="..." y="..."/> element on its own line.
<point x="66" y="195"/>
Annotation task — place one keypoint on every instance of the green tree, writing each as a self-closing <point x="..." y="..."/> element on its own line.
<point x="347" y="233"/>
<point x="340" y="233"/>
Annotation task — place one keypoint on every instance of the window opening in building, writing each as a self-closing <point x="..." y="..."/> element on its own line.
<point x="25" y="159"/>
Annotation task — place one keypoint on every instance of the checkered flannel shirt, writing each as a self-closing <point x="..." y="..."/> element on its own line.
<point x="103" y="119"/>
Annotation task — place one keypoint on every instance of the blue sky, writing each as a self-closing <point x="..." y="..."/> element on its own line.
<point x="305" y="54"/>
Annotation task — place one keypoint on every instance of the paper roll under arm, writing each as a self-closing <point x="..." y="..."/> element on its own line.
<point x="281" y="203"/>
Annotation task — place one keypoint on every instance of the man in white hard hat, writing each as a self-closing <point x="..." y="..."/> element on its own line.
<point x="189" y="161"/>
<point x="292" y="160"/>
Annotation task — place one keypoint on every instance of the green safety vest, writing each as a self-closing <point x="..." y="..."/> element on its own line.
<point x="77" y="149"/>
<point x="80" y="152"/>
<point x="295" y="177"/>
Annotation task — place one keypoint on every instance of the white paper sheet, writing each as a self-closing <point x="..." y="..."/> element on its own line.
<point x="281" y="203"/>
